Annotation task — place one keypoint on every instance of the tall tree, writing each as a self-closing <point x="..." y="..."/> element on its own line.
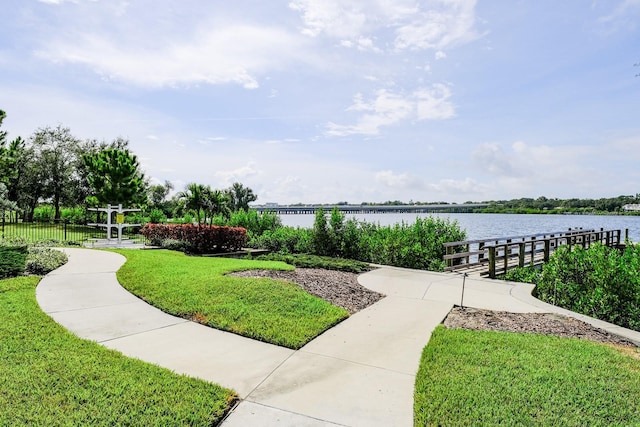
<point x="215" y="203"/>
<point x="158" y="195"/>
<point x="193" y="199"/>
<point x="240" y="197"/>
<point x="56" y="151"/>
<point x="7" y="162"/>
<point x="5" y="203"/>
<point x="115" y="177"/>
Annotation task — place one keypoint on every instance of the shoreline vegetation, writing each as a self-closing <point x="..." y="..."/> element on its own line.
<point x="621" y="205"/>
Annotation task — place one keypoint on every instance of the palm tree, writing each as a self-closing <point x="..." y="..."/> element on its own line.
<point x="216" y="203"/>
<point x="240" y="197"/>
<point x="193" y="199"/>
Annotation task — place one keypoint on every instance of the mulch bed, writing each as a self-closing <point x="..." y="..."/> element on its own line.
<point x="337" y="287"/>
<point x="342" y="289"/>
<point x="540" y="323"/>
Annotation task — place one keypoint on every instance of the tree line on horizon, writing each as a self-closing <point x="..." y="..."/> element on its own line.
<point x="522" y="205"/>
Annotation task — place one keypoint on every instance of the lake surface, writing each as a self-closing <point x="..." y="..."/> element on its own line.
<point x="486" y="226"/>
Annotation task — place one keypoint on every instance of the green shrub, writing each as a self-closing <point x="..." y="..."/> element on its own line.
<point x="322" y="243"/>
<point x="12" y="259"/>
<point x="254" y="222"/>
<point x="43" y="213"/>
<point x="41" y="260"/>
<point x="283" y="240"/>
<point x="529" y="274"/>
<point x="600" y="281"/>
<point x="174" y="245"/>
<point x="73" y="215"/>
<point x="156" y="216"/>
<point x="417" y="245"/>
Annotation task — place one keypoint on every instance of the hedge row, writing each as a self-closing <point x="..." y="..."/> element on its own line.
<point x="197" y="238"/>
<point x="12" y="260"/>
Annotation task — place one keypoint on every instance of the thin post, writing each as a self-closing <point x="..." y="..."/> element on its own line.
<point x="534" y="245"/>
<point x="547" y="249"/>
<point x="481" y="250"/>
<point x="521" y="255"/>
<point x="507" y="252"/>
<point x="492" y="262"/>
<point x="464" y="277"/>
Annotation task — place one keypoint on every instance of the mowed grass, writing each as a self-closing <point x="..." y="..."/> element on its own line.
<point x="49" y="377"/>
<point x="197" y="288"/>
<point x="487" y="378"/>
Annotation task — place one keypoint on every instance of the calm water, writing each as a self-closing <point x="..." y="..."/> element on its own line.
<point x="482" y="226"/>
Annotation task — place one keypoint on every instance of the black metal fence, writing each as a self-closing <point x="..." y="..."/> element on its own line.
<point x="62" y="231"/>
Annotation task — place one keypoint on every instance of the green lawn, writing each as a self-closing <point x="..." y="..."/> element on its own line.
<point x="489" y="378"/>
<point x="196" y="288"/>
<point x="49" y="377"/>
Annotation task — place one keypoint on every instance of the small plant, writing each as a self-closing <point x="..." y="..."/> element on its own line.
<point x="13" y="258"/>
<point x="41" y="260"/>
<point x="174" y="245"/>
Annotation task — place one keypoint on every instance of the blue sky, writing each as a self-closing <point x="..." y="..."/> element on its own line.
<point x="328" y="101"/>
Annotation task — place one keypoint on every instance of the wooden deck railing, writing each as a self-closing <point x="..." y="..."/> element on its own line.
<point x="495" y="256"/>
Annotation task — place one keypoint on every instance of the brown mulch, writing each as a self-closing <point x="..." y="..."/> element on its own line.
<point x="342" y="289"/>
<point x="541" y="323"/>
<point x="337" y="287"/>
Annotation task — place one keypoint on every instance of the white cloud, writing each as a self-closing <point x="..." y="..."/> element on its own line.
<point x="433" y="103"/>
<point x="622" y="11"/>
<point x="332" y="17"/>
<point x="446" y="23"/>
<point x="390" y="108"/>
<point x="437" y="24"/>
<point x="214" y="54"/>
<point x="398" y="181"/>
<point x="493" y="159"/>
<point x="453" y="187"/>
<point x="229" y="177"/>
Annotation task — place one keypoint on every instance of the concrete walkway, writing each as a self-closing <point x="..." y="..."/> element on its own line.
<point x="360" y="373"/>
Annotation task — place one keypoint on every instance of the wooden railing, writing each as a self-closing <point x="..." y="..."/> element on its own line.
<point x="493" y="257"/>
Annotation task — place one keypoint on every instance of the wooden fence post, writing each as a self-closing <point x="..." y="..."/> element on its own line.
<point x="507" y="252"/>
<point x="521" y="255"/>
<point x="492" y="262"/>
<point x="547" y="249"/>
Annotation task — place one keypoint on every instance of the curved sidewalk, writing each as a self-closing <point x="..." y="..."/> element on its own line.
<point x="359" y="373"/>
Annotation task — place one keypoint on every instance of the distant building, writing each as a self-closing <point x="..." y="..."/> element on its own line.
<point x="271" y="205"/>
<point x="631" y="208"/>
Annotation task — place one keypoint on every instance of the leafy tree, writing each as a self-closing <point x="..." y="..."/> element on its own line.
<point x="158" y="194"/>
<point x="240" y="197"/>
<point x="56" y="151"/>
<point x="9" y="158"/>
<point x="84" y="192"/>
<point x="115" y="177"/>
<point x="5" y="203"/>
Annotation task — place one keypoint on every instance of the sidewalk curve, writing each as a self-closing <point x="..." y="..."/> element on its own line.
<point x="359" y="373"/>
